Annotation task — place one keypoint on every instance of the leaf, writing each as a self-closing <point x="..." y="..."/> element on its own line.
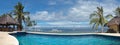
<point x="109" y="16"/>
<point x="93" y="15"/>
<point x="94" y="20"/>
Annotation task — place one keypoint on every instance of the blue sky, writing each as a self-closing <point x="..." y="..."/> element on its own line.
<point x="60" y="12"/>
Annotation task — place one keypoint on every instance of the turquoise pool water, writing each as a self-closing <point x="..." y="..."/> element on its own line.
<point x="37" y="39"/>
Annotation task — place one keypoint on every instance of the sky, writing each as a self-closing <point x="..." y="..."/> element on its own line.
<point x="63" y="13"/>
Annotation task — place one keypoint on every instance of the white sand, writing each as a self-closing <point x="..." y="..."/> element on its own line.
<point x="6" y="39"/>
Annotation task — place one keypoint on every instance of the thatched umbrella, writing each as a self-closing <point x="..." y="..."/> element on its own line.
<point x="115" y="20"/>
<point x="7" y="20"/>
<point x="114" y="24"/>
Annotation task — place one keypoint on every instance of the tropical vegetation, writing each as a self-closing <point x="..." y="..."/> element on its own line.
<point x="98" y="19"/>
<point x="22" y="16"/>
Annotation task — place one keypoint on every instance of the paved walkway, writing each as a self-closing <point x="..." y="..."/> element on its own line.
<point x="6" y="39"/>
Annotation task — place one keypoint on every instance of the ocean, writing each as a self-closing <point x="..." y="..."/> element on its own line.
<point x="65" y="29"/>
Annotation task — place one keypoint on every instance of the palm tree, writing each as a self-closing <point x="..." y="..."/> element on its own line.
<point x="109" y="16"/>
<point x="28" y="22"/>
<point x="97" y="19"/>
<point x="20" y="15"/>
<point x="117" y="11"/>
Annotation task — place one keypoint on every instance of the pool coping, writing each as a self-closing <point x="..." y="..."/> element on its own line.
<point x="108" y="34"/>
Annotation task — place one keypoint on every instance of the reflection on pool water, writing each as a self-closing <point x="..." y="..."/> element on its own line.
<point x="37" y="39"/>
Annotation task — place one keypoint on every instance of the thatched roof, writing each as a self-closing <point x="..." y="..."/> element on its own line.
<point x="7" y="19"/>
<point x="115" y="20"/>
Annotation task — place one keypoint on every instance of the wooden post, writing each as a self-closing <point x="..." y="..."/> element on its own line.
<point x="13" y="28"/>
<point x="18" y="28"/>
<point x="2" y="27"/>
<point x="6" y="28"/>
<point x="118" y="28"/>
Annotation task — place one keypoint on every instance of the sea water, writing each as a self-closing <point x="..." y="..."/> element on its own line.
<point x="66" y="29"/>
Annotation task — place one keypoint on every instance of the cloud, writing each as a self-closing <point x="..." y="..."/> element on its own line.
<point x="82" y="10"/>
<point x="78" y="13"/>
<point x="60" y="2"/>
<point x="66" y="23"/>
<point x="46" y="16"/>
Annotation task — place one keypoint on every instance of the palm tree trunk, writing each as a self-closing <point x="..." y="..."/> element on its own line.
<point x="18" y="28"/>
<point x="20" y="24"/>
<point x="102" y="28"/>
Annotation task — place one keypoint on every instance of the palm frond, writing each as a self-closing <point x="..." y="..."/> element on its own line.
<point x="26" y="13"/>
<point x="109" y="16"/>
<point x="117" y="11"/>
<point x="96" y="26"/>
<point x="94" y="20"/>
<point x="16" y="18"/>
<point x="93" y="15"/>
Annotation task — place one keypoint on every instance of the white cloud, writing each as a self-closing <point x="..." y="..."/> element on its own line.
<point x="42" y="15"/>
<point x="66" y="23"/>
<point x="79" y="12"/>
<point x="82" y="10"/>
<point x="60" y="2"/>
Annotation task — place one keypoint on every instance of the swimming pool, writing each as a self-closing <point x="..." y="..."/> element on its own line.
<point x="91" y="39"/>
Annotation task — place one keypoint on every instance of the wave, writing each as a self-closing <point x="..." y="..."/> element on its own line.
<point x="55" y="30"/>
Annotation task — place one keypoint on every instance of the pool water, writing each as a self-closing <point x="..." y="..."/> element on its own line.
<point x="37" y="39"/>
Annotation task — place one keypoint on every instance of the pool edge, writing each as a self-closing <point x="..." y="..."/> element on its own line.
<point x="107" y="34"/>
<point x="15" y="40"/>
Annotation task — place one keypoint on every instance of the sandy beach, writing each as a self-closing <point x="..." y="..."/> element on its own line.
<point x="6" y="39"/>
